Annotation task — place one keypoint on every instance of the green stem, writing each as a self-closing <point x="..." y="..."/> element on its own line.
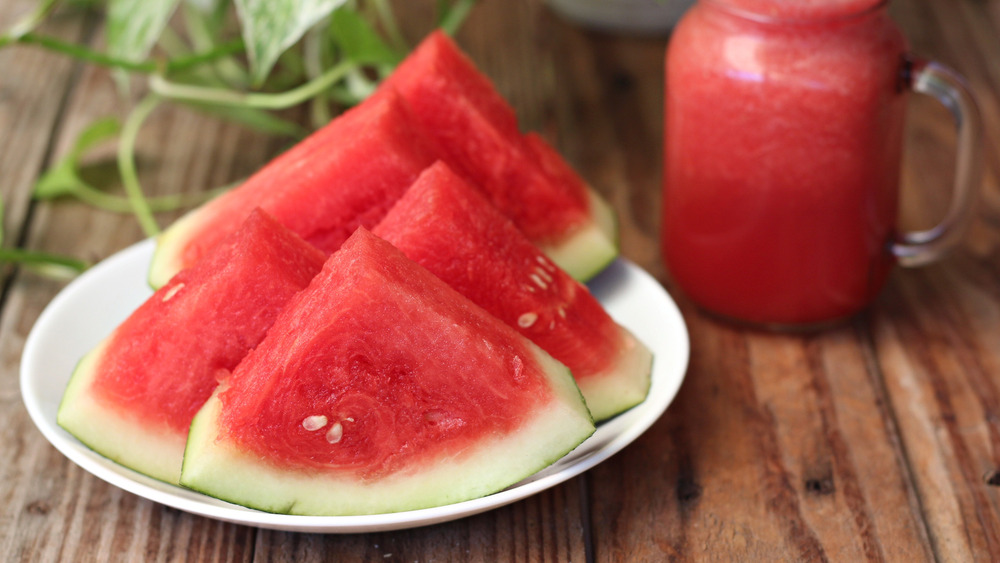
<point x="319" y="105"/>
<point x="36" y="258"/>
<point x="203" y="35"/>
<point x="84" y="54"/>
<point x="219" y="96"/>
<point x="30" y="22"/>
<point x="217" y="52"/>
<point x="126" y="164"/>
<point x="455" y="16"/>
<point x="388" y="19"/>
<point x="117" y="204"/>
<point x="96" y="57"/>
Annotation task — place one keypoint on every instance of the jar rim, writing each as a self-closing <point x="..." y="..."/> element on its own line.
<point x="799" y="18"/>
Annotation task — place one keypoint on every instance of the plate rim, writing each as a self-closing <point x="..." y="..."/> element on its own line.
<point x="667" y="379"/>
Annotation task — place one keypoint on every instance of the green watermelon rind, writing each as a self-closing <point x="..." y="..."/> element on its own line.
<point x="167" y="256"/>
<point x="218" y="468"/>
<point x="583" y="255"/>
<point x="623" y="385"/>
<point x="591" y="248"/>
<point x="119" y="438"/>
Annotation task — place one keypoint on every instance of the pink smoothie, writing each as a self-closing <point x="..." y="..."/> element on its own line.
<point x="782" y="150"/>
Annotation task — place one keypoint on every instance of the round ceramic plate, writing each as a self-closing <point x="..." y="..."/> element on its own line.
<point x="95" y="303"/>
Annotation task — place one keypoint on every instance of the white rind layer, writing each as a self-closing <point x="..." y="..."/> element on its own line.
<point x="592" y="247"/>
<point x="170" y="244"/>
<point x="219" y="468"/>
<point x="622" y="386"/>
<point x="582" y="255"/>
<point x="118" y="436"/>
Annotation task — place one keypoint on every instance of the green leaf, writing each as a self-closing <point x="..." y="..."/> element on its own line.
<point x="270" y="27"/>
<point x="451" y="17"/>
<point x="135" y="25"/>
<point x="359" y="40"/>
<point x="63" y="178"/>
<point x="60" y="180"/>
<point x="256" y="119"/>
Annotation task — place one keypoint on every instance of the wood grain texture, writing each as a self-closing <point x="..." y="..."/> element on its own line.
<point x="57" y="512"/>
<point x="936" y="330"/>
<point x="34" y="86"/>
<point x="878" y="440"/>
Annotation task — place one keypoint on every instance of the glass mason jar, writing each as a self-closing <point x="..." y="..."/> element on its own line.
<point x="783" y="140"/>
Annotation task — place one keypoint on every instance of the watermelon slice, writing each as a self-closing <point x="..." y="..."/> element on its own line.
<point x="442" y="224"/>
<point x="522" y="176"/>
<point x="381" y="389"/>
<point x="132" y="398"/>
<point x="347" y="174"/>
<point x="351" y="172"/>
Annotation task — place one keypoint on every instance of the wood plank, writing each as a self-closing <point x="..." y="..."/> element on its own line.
<point x="54" y="508"/>
<point x="33" y="86"/>
<point x="936" y="330"/>
<point x="777" y="448"/>
<point x="32" y="95"/>
<point x="540" y="528"/>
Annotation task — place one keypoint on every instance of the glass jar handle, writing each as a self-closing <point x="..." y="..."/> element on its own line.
<point x="917" y="248"/>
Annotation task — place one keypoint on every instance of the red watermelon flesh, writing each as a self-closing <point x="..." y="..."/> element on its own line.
<point x="438" y="65"/>
<point x="347" y="174"/>
<point x="133" y="397"/>
<point x="379" y="389"/>
<point x="551" y="163"/>
<point x="479" y="138"/>
<point x="477" y="130"/>
<point x="443" y="224"/>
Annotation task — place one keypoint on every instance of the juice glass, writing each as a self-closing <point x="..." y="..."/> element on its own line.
<point x="783" y="139"/>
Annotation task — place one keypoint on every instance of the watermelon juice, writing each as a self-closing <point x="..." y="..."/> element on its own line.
<point x="783" y="138"/>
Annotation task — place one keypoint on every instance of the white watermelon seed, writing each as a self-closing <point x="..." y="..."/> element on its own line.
<point x="548" y="265"/>
<point x="335" y="433"/>
<point x="171" y="292"/>
<point x="314" y="422"/>
<point x="527" y="319"/>
<point x="539" y="281"/>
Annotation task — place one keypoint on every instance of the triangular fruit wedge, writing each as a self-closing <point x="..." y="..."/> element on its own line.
<point x="523" y="177"/>
<point x="443" y="224"/>
<point x="347" y="174"/>
<point x="132" y="397"/>
<point x="381" y="389"/>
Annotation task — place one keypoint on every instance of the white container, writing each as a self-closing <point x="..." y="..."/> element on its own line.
<point x="627" y="16"/>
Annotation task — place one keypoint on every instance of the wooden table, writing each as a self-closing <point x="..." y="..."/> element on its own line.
<point x="878" y="440"/>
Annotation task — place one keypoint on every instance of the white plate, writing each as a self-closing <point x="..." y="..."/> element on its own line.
<point x="95" y="303"/>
